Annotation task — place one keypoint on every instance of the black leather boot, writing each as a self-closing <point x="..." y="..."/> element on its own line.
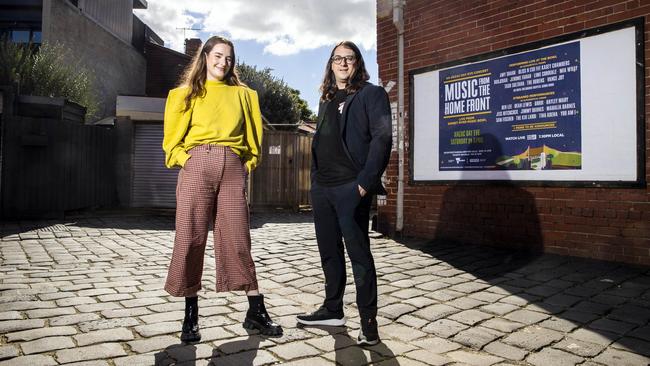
<point x="258" y="318"/>
<point x="190" y="332"/>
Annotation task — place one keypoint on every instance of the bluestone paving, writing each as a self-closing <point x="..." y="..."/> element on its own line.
<point x="411" y="321"/>
<point x="89" y="291"/>
<point x="559" y="324"/>
<point x="473" y="358"/>
<point x="41" y="360"/>
<point x="90" y="363"/>
<point x="46" y="344"/>
<point x="48" y="313"/>
<point x="633" y="345"/>
<point x="428" y="357"/>
<point x="502" y="325"/>
<point x="470" y="317"/>
<point x="10" y="315"/>
<point x="550" y="356"/>
<point x="477" y="337"/>
<point x="8" y="352"/>
<point x="103" y="336"/>
<point x="16" y="325"/>
<point x="533" y="338"/>
<point x="580" y="348"/>
<point x="95" y="352"/>
<point x="505" y="351"/>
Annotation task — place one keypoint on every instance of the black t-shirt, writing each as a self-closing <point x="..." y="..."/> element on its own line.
<point x="334" y="166"/>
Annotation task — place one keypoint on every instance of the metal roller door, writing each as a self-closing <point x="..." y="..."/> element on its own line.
<point x="153" y="184"/>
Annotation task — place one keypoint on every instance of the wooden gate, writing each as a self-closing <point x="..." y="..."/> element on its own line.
<point x="282" y="178"/>
<point x="51" y="166"/>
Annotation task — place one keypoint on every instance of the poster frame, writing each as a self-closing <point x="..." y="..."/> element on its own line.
<point x="640" y="182"/>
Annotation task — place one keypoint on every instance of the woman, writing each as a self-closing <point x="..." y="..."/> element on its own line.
<point x="213" y="131"/>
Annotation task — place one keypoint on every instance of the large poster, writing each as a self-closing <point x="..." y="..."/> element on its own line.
<point x="563" y="110"/>
<point x="516" y="112"/>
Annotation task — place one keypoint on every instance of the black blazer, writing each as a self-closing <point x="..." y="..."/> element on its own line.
<point x="366" y="132"/>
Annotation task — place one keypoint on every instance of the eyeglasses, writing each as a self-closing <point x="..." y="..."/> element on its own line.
<point x="348" y="59"/>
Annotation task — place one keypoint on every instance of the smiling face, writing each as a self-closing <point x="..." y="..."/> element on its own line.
<point x="218" y="61"/>
<point x="344" y="69"/>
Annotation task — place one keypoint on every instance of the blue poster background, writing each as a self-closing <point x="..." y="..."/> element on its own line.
<point x="527" y="118"/>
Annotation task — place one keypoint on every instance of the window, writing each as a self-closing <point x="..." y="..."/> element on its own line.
<point x="36" y="37"/>
<point x="20" y="36"/>
<point x="25" y="35"/>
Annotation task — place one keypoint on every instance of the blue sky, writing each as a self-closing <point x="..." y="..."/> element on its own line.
<point x="303" y="71"/>
<point x="292" y="37"/>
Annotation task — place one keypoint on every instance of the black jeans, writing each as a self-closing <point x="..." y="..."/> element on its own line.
<point x="341" y="214"/>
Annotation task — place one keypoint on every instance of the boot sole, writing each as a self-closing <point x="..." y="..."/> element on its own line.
<point x="188" y="338"/>
<point x="367" y="343"/>
<point x="326" y="322"/>
<point x="251" y="325"/>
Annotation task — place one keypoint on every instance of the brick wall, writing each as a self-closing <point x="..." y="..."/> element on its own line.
<point x="164" y="69"/>
<point x="602" y="223"/>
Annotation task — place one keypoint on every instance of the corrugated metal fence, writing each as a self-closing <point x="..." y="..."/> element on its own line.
<point x="51" y="166"/>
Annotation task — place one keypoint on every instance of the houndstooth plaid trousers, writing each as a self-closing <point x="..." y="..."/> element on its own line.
<point x="211" y="186"/>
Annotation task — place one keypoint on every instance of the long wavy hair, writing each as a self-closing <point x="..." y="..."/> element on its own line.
<point x="195" y="74"/>
<point x="359" y="76"/>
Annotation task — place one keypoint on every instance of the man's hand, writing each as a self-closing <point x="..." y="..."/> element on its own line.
<point x="362" y="191"/>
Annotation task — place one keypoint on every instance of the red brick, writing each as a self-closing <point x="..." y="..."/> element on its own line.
<point x="635" y="251"/>
<point x="602" y="223"/>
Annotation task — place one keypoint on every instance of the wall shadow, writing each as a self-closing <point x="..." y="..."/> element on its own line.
<point x="128" y="219"/>
<point x="493" y="233"/>
<point x="496" y="213"/>
<point x="573" y="296"/>
<point x="258" y="219"/>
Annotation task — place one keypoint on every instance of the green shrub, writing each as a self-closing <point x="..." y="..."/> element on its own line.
<point x="46" y="71"/>
<point x="279" y="103"/>
<point x="14" y="62"/>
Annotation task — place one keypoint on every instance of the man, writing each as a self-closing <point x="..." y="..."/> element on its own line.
<point x="350" y="151"/>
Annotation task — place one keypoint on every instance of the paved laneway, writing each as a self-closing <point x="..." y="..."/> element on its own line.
<point x="89" y="292"/>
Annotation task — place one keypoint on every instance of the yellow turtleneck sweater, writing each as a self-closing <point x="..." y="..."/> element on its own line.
<point x="225" y="115"/>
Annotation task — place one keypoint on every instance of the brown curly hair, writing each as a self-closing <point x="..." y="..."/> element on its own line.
<point x="359" y="76"/>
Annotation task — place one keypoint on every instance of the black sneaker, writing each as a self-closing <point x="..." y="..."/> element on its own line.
<point x="322" y="316"/>
<point x="368" y="334"/>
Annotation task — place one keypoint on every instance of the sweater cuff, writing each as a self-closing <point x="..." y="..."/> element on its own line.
<point x="250" y="165"/>
<point x="182" y="158"/>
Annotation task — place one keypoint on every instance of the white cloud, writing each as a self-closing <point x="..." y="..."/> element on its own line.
<point x="284" y="27"/>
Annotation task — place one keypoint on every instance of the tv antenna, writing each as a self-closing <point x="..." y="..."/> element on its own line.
<point x="186" y="29"/>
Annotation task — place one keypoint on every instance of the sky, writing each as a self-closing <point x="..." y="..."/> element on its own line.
<point x="292" y="37"/>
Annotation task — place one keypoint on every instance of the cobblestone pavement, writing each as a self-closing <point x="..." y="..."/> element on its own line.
<point x="89" y="292"/>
